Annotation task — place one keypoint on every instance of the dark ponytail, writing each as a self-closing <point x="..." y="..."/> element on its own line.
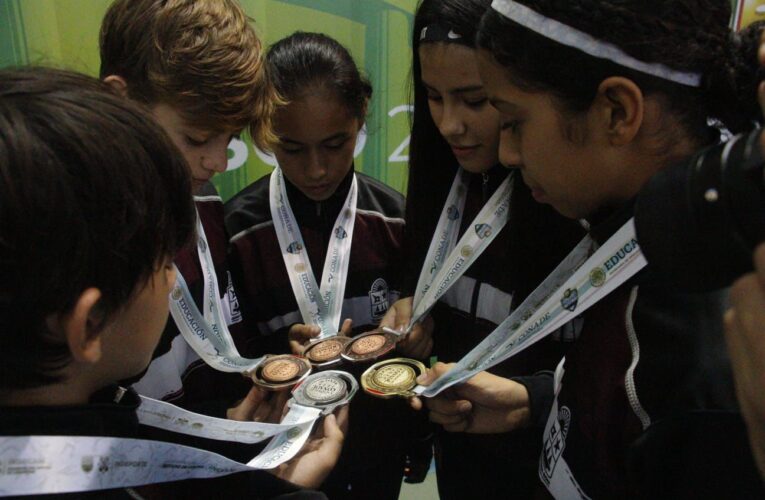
<point x="304" y="60"/>
<point x="685" y="35"/>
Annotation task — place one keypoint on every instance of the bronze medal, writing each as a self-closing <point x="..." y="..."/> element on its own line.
<point x="370" y="345"/>
<point x="326" y="352"/>
<point x="276" y="372"/>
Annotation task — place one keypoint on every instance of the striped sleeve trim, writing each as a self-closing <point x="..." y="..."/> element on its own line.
<point x="251" y="229"/>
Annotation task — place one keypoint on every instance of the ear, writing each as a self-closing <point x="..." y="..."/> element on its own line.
<point x="363" y="119"/>
<point x="619" y="106"/>
<point x="118" y="84"/>
<point x="82" y="327"/>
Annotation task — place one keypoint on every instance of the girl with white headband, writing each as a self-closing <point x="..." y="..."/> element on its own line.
<point x="455" y="132"/>
<point x="594" y="98"/>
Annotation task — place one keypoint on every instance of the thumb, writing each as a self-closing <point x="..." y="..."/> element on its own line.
<point x="431" y="375"/>
<point x="345" y="330"/>
<point x="332" y="430"/>
<point x="244" y="410"/>
<point x="389" y="319"/>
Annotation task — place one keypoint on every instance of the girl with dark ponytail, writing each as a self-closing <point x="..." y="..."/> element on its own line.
<point x="455" y="131"/>
<point x="337" y="212"/>
<point x="594" y="97"/>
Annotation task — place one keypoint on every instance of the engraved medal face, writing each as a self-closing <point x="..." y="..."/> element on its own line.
<point x="276" y="372"/>
<point x="392" y="377"/>
<point x="325" y="389"/>
<point x="326" y="352"/>
<point x="395" y="376"/>
<point x="280" y="370"/>
<point x="370" y="345"/>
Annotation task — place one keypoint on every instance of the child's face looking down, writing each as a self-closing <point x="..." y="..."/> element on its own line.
<point x="317" y="136"/>
<point x="458" y="104"/>
<point x="206" y="151"/>
<point x="572" y="176"/>
<point x="131" y="338"/>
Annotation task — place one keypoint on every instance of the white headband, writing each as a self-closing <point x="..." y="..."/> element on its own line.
<point x="566" y="35"/>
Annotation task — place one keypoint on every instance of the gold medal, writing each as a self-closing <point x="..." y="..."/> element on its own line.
<point x="392" y="377"/>
<point x="281" y="371"/>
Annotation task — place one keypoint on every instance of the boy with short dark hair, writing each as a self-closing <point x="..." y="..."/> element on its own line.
<point x="94" y="203"/>
<point x="198" y="66"/>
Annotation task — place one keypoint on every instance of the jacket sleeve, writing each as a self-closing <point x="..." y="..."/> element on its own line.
<point x="541" y="395"/>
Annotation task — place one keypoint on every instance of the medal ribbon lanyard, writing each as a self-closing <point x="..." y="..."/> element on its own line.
<point x="323" y="305"/>
<point x="65" y="464"/>
<point x="574" y="286"/>
<point x="446" y="260"/>
<point x="206" y="332"/>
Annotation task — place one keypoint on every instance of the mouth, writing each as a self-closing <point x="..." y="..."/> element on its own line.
<point x="536" y="192"/>
<point x="317" y="190"/>
<point x="460" y="151"/>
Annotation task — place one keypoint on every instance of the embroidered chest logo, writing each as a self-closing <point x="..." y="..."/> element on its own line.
<point x="235" y="315"/>
<point x="554" y="444"/>
<point x="378" y="298"/>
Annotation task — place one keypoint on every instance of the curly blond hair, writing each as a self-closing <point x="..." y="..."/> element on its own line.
<point x="203" y="57"/>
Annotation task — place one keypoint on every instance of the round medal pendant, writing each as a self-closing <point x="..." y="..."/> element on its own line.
<point x="325" y="390"/>
<point x="326" y="352"/>
<point x="370" y="345"/>
<point x="392" y="378"/>
<point x="280" y="371"/>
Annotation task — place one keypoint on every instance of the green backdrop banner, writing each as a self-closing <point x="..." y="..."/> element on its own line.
<point x="64" y="34"/>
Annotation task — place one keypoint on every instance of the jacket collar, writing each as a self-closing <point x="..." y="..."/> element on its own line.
<point x="102" y="416"/>
<point x="306" y="209"/>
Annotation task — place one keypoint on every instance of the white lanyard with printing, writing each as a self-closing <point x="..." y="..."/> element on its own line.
<point x="64" y="464"/>
<point x="207" y="332"/>
<point x="319" y="305"/>
<point x="574" y="286"/>
<point x="447" y="258"/>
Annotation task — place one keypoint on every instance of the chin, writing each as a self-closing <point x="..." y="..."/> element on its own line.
<point x="478" y="166"/>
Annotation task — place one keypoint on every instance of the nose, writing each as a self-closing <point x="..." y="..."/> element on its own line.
<point x="509" y="152"/>
<point x="451" y="123"/>
<point x="215" y="157"/>
<point x="315" y="167"/>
